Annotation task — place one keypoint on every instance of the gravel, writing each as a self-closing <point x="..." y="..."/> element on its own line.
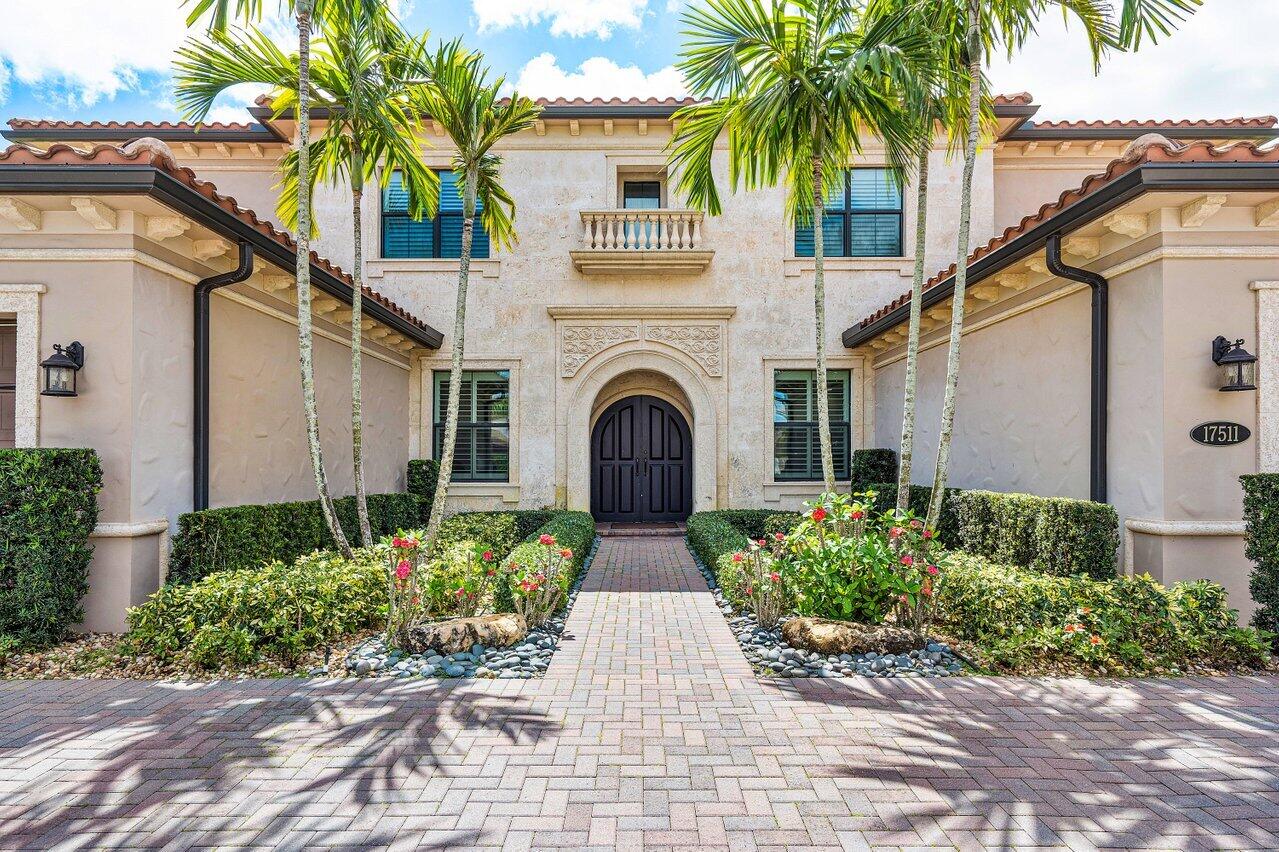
<point x="771" y="655"/>
<point x="530" y="658"/>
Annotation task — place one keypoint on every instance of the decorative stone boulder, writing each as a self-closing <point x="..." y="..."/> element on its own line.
<point x="458" y="634"/>
<point x="826" y="636"/>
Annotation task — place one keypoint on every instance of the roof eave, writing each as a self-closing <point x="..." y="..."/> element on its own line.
<point x="148" y="180"/>
<point x="23" y="136"/>
<point x="1031" y="134"/>
<point x="1148" y="177"/>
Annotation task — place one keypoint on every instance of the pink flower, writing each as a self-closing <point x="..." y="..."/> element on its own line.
<point x="402" y="570"/>
<point x="819" y="514"/>
<point x="737" y="557"/>
<point x="896" y="532"/>
<point x="546" y="540"/>
<point x="908" y="559"/>
<point x="460" y="593"/>
<point x="933" y="569"/>
<point x="775" y="577"/>
<point x="916" y="524"/>
<point x="779" y="536"/>
<point x="566" y="553"/>
<point x="762" y="543"/>
<point x="749" y="591"/>
<point x="929" y="533"/>
<point x="903" y="598"/>
<point x="487" y="556"/>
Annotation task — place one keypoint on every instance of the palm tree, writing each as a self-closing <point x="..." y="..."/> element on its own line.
<point x="198" y="102"/>
<point x="970" y="28"/>
<point x="462" y="100"/>
<point x="794" y="85"/>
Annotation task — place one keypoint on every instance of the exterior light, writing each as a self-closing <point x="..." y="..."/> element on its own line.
<point x="60" y="370"/>
<point x="1238" y="365"/>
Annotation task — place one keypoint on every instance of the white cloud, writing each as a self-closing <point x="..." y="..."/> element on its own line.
<point x="597" y="77"/>
<point x="1221" y="63"/>
<point x="566" y="17"/>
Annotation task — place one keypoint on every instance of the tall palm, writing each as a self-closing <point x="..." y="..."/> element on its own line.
<point x="467" y="105"/>
<point x="794" y="85"/>
<point x="306" y="12"/>
<point x="360" y="72"/>
<point x="971" y="28"/>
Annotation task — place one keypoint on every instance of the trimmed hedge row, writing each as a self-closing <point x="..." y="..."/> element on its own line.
<point x="724" y="531"/>
<point x="1261" y="545"/>
<point x="574" y="530"/>
<point x="1021" y="619"/>
<point x="1052" y="535"/>
<point x="871" y="466"/>
<point x="886" y="499"/>
<point x="48" y="508"/>
<point x="422" y="477"/>
<point x="250" y="536"/>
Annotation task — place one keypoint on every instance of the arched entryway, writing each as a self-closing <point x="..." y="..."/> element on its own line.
<point x="641" y="462"/>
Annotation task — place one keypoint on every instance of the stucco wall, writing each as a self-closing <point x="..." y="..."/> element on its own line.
<point x="1023" y="185"/>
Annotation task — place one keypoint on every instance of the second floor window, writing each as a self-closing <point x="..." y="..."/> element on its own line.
<point x="863" y="217"/>
<point x="483" y="449"/>
<point x="440" y="237"/>
<point x="797" y="453"/>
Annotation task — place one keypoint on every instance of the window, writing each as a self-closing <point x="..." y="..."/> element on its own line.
<point x="863" y="217"/>
<point x="641" y="195"/>
<point x="483" y="450"/>
<point x="797" y="453"/>
<point x="440" y="237"/>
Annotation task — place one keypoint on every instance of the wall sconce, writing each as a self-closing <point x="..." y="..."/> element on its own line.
<point x="60" y="370"/>
<point x="1238" y="365"/>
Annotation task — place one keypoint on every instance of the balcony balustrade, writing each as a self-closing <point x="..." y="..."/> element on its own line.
<point x="625" y="241"/>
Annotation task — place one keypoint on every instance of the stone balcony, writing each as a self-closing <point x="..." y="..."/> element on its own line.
<point x="616" y="242"/>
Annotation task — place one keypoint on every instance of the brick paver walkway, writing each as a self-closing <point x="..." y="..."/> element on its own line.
<point x="648" y="730"/>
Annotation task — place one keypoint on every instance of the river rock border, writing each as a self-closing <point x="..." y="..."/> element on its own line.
<point x="528" y="659"/>
<point x="771" y="656"/>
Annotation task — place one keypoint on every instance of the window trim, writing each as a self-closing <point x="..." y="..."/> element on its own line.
<point x="439" y="377"/>
<point x="848" y="215"/>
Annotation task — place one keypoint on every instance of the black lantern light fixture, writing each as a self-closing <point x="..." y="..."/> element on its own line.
<point x="60" y="369"/>
<point x="1238" y="365"/>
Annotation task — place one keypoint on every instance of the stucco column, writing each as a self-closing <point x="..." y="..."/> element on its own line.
<point x="23" y="301"/>
<point x="1267" y="375"/>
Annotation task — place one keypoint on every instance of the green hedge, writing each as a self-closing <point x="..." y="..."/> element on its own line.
<point x="250" y="536"/>
<point x="873" y="465"/>
<point x="1018" y="617"/>
<point x="48" y="507"/>
<point x="422" y="476"/>
<point x="713" y="534"/>
<point x="1053" y="535"/>
<point x="1261" y="545"/>
<point x="574" y="530"/>
<point x="278" y="610"/>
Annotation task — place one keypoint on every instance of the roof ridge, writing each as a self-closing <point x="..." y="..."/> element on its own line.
<point x="62" y="124"/>
<point x="64" y="154"/>
<point x="1151" y="148"/>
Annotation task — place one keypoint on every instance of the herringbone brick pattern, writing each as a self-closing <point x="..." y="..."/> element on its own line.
<point x="648" y="731"/>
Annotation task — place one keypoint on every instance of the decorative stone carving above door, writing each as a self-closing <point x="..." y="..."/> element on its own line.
<point x="700" y="332"/>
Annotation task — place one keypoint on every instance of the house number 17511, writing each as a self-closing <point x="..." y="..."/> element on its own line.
<point x="1220" y="433"/>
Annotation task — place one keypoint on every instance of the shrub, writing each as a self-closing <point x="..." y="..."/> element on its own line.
<point x="48" y="508"/>
<point x="1053" y="535"/>
<point x="1027" y="621"/>
<point x="710" y="536"/>
<point x="572" y="530"/>
<point x="281" y="610"/>
<point x="1261" y="545"/>
<point x="495" y="531"/>
<point x="947" y="525"/>
<point x="872" y="466"/>
<point x="238" y="537"/>
<point x="422" y="476"/>
<point x="540" y="576"/>
<point x="782" y="522"/>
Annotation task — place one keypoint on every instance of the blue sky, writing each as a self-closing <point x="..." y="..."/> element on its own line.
<point x="67" y="59"/>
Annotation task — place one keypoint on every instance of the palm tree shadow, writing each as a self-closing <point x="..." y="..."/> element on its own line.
<point x="147" y="751"/>
<point x="1016" y="763"/>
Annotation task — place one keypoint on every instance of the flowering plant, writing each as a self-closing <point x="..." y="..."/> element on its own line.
<point x="406" y="569"/>
<point x="762" y="583"/>
<point x="537" y="585"/>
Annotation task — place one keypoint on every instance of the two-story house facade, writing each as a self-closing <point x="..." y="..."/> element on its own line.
<point x="641" y="360"/>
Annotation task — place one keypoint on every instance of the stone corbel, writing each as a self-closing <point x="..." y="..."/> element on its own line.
<point x="93" y="211"/>
<point x="20" y="214"/>
<point x="203" y="250"/>
<point x="161" y="228"/>
<point x="1131" y="225"/>
<point x="1085" y="247"/>
<point x="1267" y="214"/>
<point x="1199" y="211"/>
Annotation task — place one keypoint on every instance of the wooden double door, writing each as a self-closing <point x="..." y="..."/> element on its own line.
<point x="641" y="463"/>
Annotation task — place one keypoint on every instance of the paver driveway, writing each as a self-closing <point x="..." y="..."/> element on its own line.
<point x="649" y="730"/>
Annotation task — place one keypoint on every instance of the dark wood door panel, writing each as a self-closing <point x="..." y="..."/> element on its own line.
<point x="641" y="466"/>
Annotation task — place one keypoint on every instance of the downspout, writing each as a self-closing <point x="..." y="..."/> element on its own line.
<point x="1100" y="380"/>
<point x="200" y="425"/>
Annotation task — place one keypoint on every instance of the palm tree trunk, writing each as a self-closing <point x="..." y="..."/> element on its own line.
<point x="306" y="361"/>
<point x="961" y="265"/>
<point x="912" y="340"/>
<point x="357" y="329"/>
<point x="455" y="368"/>
<point x="819" y="314"/>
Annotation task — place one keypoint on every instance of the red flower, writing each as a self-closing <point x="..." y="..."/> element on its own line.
<point x="460" y="593"/>
<point x="819" y="514"/>
<point x="895" y="532"/>
<point x="908" y="559"/>
<point x="858" y="514"/>
<point x="566" y="553"/>
<point x="903" y="598"/>
<point x="1074" y="628"/>
<point x="929" y="533"/>
<point x="546" y="539"/>
<point x="762" y="543"/>
<point x="927" y="591"/>
<point x="779" y="536"/>
<point x="749" y="591"/>
<point x="1095" y="639"/>
<point x="737" y="557"/>
<point x="402" y="570"/>
<point x="775" y="577"/>
<point x="916" y="524"/>
<point x="933" y="569"/>
<point x="487" y="556"/>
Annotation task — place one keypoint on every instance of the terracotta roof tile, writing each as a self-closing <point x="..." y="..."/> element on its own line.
<point x="66" y="155"/>
<point x="49" y="124"/>
<point x="1156" y="151"/>
<point x="1247" y="122"/>
<point x="1014" y="99"/>
<point x="602" y="102"/>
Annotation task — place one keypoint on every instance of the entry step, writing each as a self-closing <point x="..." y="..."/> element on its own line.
<point x="611" y="529"/>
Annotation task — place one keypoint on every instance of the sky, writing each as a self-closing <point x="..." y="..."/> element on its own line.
<point x="66" y="59"/>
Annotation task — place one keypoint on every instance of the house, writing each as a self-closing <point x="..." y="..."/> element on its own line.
<point x="641" y="360"/>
